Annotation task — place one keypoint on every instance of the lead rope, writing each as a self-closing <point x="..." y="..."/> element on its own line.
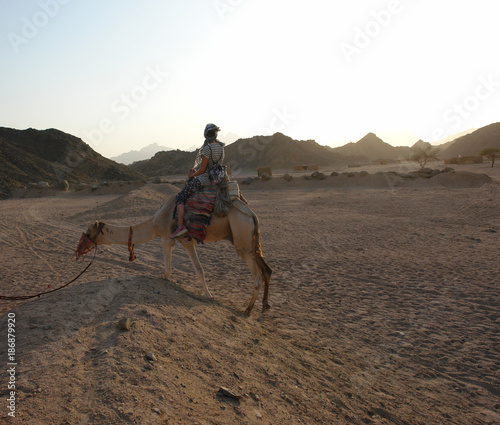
<point x="131" y="246"/>
<point x="27" y="297"/>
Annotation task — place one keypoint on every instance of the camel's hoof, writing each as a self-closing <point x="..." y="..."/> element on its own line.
<point x="265" y="306"/>
<point x="248" y="311"/>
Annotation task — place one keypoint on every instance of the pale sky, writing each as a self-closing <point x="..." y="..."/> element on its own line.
<point x="123" y="74"/>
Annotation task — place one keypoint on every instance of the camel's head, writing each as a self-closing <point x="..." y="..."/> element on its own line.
<point x="94" y="230"/>
<point x="89" y="239"/>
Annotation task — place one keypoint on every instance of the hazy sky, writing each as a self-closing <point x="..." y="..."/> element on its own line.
<point x="122" y="74"/>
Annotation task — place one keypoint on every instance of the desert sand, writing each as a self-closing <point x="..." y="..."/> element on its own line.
<point x="385" y="309"/>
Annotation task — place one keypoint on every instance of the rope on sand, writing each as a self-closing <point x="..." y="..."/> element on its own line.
<point x="27" y="297"/>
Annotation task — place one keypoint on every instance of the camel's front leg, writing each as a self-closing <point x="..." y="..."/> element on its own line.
<point x="193" y="256"/>
<point x="167" y="244"/>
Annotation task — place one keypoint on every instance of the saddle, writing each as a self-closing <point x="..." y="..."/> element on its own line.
<point x="202" y="204"/>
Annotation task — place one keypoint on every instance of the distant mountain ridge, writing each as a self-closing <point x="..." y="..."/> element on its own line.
<point x="372" y="148"/>
<point x="282" y="152"/>
<point x="166" y="163"/>
<point x="30" y="156"/>
<point x="448" y="140"/>
<point x="473" y="143"/>
<point x="146" y="152"/>
<point x="277" y="151"/>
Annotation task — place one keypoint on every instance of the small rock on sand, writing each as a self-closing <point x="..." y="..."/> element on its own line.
<point x="125" y="323"/>
<point x="151" y="357"/>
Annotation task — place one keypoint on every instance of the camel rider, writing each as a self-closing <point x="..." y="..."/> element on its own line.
<point x="209" y="155"/>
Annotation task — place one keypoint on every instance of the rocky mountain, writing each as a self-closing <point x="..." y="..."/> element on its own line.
<point x="29" y="156"/>
<point x="473" y="143"/>
<point x="145" y="153"/>
<point x="282" y="152"/>
<point x="421" y="145"/>
<point x="277" y="151"/>
<point x="371" y="148"/>
<point x="166" y="163"/>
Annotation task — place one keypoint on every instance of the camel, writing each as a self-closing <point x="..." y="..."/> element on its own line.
<point x="240" y="227"/>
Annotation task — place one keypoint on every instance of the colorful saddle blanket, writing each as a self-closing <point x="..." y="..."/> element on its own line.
<point x="198" y="209"/>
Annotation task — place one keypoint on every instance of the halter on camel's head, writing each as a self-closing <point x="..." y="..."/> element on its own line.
<point x="87" y="240"/>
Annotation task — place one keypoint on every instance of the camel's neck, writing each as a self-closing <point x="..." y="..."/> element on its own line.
<point x="112" y="235"/>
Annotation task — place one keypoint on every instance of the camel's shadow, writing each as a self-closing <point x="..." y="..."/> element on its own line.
<point x="90" y="313"/>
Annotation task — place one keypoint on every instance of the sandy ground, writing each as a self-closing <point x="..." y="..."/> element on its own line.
<point x="385" y="310"/>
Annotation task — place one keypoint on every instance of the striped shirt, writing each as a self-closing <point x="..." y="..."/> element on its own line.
<point x="215" y="153"/>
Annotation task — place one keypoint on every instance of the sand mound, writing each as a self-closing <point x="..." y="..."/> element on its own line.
<point x="462" y="179"/>
<point x="145" y="200"/>
<point x="197" y="347"/>
<point x="141" y="202"/>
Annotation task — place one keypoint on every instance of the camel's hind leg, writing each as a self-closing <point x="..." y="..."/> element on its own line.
<point x="246" y="251"/>
<point x="261" y="273"/>
<point x="266" y="274"/>
<point x="249" y="258"/>
<point x="193" y="256"/>
<point x="246" y="239"/>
